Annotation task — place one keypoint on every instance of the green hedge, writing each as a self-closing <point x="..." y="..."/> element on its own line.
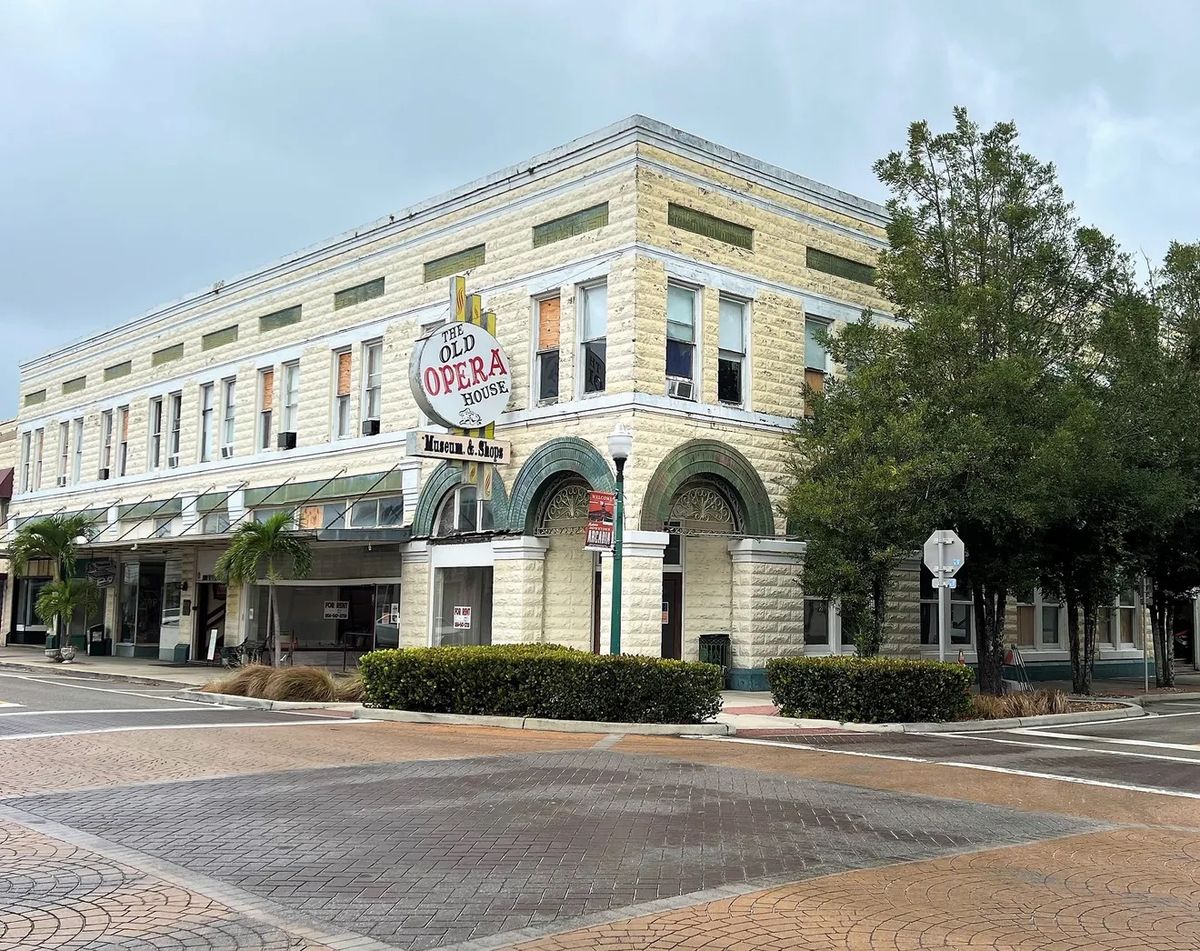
<point x="535" y="680"/>
<point x="870" y="690"/>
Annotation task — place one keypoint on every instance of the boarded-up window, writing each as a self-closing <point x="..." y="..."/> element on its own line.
<point x="358" y="294"/>
<point x="814" y="380"/>
<point x="838" y="266"/>
<point x="710" y="226"/>
<point x="218" y="338"/>
<point x="166" y="355"/>
<point x="267" y="396"/>
<point x="37" y="396"/>
<point x="74" y="386"/>
<point x="454" y="263"/>
<point x="281" y="318"/>
<point x="343" y="374"/>
<point x="119" y="370"/>
<point x="549" y="318"/>
<point x="312" y="516"/>
<point x="575" y="223"/>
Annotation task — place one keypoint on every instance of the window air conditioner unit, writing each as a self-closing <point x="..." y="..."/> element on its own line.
<point x="172" y="462"/>
<point x="62" y="481"/>
<point x="681" y="389"/>
<point x="286" y="441"/>
<point x="103" y="475"/>
<point x="370" y="427"/>
<point x="227" y="452"/>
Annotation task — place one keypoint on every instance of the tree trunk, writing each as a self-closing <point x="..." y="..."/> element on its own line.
<point x="1160" y="630"/>
<point x="1078" y="653"/>
<point x="990" y="605"/>
<point x="274" y="612"/>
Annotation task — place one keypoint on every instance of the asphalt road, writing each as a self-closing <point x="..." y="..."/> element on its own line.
<point x="34" y="704"/>
<point x="1156" y="753"/>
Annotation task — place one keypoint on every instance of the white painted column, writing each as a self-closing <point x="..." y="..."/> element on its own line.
<point x="517" y="572"/>
<point x="641" y="594"/>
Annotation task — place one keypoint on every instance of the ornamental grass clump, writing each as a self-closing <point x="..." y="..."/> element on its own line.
<point x="300" y="684"/>
<point x="248" y="681"/>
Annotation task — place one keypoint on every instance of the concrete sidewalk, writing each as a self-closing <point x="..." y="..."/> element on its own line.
<point x="135" y="670"/>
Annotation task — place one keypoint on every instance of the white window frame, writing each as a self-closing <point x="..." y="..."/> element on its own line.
<point x="228" y="426"/>
<point x="833" y="643"/>
<point x="744" y="356"/>
<point x="264" y="419"/>
<point x="174" y="427"/>
<point x="956" y="597"/>
<point x="76" y="450"/>
<point x="208" y="415"/>
<point x="154" y="449"/>
<point x="39" y="450"/>
<point x="371" y="383"/>
<point x="290" y="397"/>
<point x="26" y="461"/>
<point x="340" y="404"/>
<point x="64" y="450"/>
<point x="1039" y="603"/>
<point x="581" y="292"/>
<point x="536" y="398"/>
<point x="121" y="438"/>
<point x="452" y="498"/>
<point x="1110" y="640"/>
<point x="697" y="335"/>
<point x="106" y="440"/>
<point x="827" y="326"/>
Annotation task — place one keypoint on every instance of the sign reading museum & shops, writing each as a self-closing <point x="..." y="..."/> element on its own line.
<point x="462" y="448"/>
<point x="460" y="376"/>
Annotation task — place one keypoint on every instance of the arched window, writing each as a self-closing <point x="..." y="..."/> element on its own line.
<point x="463" y="512"/>
<point x="701" y="509"/>
<point x="565" y="511"/>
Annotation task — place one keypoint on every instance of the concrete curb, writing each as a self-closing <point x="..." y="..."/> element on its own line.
<point x="1126" y="711"/>
<point x="257" y="703"/>
<point x="70" y="670"/>
<point x="1150" y="699"/>
<point x="536" y="723"/>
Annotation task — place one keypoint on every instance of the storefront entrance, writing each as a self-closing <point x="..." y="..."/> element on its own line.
<point x="141" y="608"/>
<point x="462" y="606"/>
<point x="1183" y="632"/>
<point x="329" y="624"/>
<point x="210" y="619"/>
<point x="672" y="615"/>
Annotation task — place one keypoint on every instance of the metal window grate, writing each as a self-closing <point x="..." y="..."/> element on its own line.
<point x="358" y="294"/>
<point x="710" y="226"/>
<point x="838" y="266"/>
<point x="119" y="370"/>
<point x="218" y="338"/>
<point x="75" y="385"/>
<point x="454" y="263"/>
<point x="280" y="318"/>
<point x="166" y="355"/>
<point x="37" y="396"/>
<point x="589" y="219"/>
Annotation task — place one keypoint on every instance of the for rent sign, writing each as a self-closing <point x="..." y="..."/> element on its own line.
<point x="460" y="376"/>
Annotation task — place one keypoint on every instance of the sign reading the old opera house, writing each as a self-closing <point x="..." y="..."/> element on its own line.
<point x="460" y="376"/>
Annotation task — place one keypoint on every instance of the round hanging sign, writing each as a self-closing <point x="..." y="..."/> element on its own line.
<point x="460" y="376"/>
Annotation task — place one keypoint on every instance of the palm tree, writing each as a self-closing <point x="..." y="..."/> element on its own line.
<point x="55" y="539"/>
<point x="59" y="600"/>
<point x="272" y="541"/>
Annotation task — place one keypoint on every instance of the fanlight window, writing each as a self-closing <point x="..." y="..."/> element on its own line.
<point x="462" y="512"/>
<point x="701" y="510"/>
<point x="565" y="512"/>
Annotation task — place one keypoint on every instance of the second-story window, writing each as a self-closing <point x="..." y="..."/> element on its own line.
<point x="266" y="406"/>
<point x="76" y="449"/>
<point x="174" y="425"/>
<point x="372" y="397"/>
<point x="291" y="397"/>
<point x="341" y="394"/>
<point x="731" y="354"/>
<point x="64" y="451"/>
<point x="39" y="444"/>
<point x="681" y="340"/>
<point x="816" y="356"/>
<point x="593" y="337"/>
<point x="154" y="458"/>
<point x="228" y="415"/>
<point x="106" y="443"/>
<point x="122" y="439"/>
<point x="207" y="422"/>
<point x="545" y="371"/>
<point x="26" y="461"/>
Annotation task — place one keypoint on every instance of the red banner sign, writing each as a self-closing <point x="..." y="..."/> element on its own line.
<point x="601" y="518"/>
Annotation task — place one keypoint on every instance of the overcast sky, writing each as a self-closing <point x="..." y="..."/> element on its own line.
<point x="151" y="147"/>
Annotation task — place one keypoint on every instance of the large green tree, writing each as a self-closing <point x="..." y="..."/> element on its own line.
<point x="268" y="546"/>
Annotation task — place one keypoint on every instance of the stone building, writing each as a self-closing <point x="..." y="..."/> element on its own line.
<point x="639" y="275"/>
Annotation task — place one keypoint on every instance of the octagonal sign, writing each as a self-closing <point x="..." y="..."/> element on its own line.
<point x="944" y="551"/>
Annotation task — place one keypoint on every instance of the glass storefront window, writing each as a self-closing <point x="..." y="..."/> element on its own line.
<point x="462" y="601"/>
<point x="816" y="622"/>
<point x="387" y="615"/>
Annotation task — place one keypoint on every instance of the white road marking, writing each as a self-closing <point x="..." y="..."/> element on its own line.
<point x="1113" y="740"/>
<point x="59" y="713"/>
<point x="1129" y="787"/>
<point x="128" y="693"/>
<point x="326" y="721"/>
<point x="1074" y="749"/>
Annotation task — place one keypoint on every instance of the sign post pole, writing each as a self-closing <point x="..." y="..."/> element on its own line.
<point x="943" y="603"/>
<point x="943" y="556"/>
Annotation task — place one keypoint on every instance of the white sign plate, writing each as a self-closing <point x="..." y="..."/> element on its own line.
<point x="465" y="448"/>
<point x="462" y="617"/>
<point x="460" y="376"/>
<point x="944" y="551"/>
<point x="337" y="610"/>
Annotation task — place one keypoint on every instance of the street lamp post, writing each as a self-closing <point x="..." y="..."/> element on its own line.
<point x="620" y="445"/>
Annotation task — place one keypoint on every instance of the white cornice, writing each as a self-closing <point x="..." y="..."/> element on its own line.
<point x="632" y="130"/>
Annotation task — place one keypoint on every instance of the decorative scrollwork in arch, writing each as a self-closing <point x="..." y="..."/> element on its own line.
<point x="565" y="512"/>
<point x="701" y="510"/>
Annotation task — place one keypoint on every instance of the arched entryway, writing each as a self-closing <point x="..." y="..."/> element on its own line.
<point x="704" y="495"/>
